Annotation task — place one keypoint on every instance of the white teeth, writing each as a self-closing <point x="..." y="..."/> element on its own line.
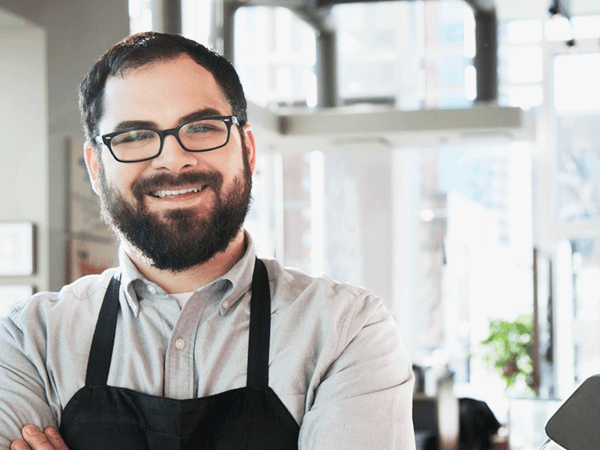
<point x="161" y="194"/>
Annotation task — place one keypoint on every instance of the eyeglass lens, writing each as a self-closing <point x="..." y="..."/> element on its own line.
<point x="201" y="135"/>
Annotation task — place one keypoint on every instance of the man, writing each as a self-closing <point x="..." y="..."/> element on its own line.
<point x="192" y="342"/>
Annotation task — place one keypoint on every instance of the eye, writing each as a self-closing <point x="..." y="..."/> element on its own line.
<point x="203" y="127"/>
<point x="134" y="136"/>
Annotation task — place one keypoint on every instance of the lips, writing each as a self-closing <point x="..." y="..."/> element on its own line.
<point x="167" y="185"/>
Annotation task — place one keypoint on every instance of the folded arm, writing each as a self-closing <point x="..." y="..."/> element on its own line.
<point x="365" y="398"/>
<point x="23" y="398"/>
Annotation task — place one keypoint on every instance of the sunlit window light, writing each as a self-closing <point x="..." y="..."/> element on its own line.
<point x="141" y="16"/>
<point x="196" y="20"/>
<point x="469" y="20"/>
<point x="134" y="8"/>
<point x="311" y="90"/>
<point x="146" y="22"/>
<point x="470" y="82"/>
<point x="426" y="215"/>
<point x="573" y="75"/>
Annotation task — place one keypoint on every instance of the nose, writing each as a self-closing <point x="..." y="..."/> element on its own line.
<point x="174" y="157"/>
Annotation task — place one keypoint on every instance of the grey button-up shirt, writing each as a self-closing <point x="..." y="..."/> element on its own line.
<point x="336" y="359"/>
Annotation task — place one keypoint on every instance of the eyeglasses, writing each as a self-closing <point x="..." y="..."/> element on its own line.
<point x="147" y="143"/>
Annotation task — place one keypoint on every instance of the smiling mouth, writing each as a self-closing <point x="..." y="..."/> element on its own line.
<point x="174" y="193"/>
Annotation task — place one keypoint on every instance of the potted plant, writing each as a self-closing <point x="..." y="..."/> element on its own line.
<point x="508" y="351"/>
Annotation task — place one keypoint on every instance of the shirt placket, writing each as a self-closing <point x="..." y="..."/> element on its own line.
<point x="180" y="380"/>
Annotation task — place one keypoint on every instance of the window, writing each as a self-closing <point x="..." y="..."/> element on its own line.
<point x="431" y="229"/>
<point x="275" y="56"/>
<point x="577" y="107"/>
<point x="142" y="15"/>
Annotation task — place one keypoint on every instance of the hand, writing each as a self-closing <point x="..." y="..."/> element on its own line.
<point x="34" y="439"/>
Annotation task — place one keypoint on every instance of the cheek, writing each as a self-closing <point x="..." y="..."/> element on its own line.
<point x="229" y="164"/>
<point x="120" y="176"/>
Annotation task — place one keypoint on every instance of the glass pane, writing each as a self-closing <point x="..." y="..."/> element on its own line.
<point x="337" y="217"/>
<point x="476" y="244"/>
<point x="581" y="27"/>
<point x="275" y="56"/>
<point x="586" y="27"/>
<point x="370" y="26"/>
<point x="265" y="218"/>
<point x="404" y="54"/>
<point x="520" y="31"/>
<point x="368" y="37"/>
<point x="525" y="97"/>
<point x="520" y="65"/>
<point x="576" y="82"/>
<point x="452" y="69"/>
<point x="197" y="20"/>
<point x="297" y="188"/>
<point x="559" y="29"/>
<point x="586" y="308"/>
<point x="578" y="167"/>
<point x="467" y="210"/>
<point x="141" y="15"/>
<point x="451" y="22"/>
<point x="577" y="106"/>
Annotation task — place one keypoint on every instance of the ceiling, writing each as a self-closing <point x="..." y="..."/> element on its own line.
<point x="505" y="9"/>
<point x="374" y="128"/>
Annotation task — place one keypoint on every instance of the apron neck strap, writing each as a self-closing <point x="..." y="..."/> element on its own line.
<point x="259" y="335"/>
<point x="260" y="328"/>
<point x="104" y="336"/>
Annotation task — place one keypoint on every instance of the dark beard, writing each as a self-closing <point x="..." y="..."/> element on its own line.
<point x="178" y="239"/>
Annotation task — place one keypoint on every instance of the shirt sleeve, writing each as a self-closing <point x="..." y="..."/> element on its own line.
<point x="365" y="398"/>
<point x="22" y="387"/>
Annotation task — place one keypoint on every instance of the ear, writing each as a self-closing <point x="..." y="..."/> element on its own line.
<point x="250" y="146"/>
<point x="92" y="164"/>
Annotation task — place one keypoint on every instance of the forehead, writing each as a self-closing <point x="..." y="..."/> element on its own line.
<point x="161" y="92"/>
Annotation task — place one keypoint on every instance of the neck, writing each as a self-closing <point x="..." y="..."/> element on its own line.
<point x="195" y="277"/>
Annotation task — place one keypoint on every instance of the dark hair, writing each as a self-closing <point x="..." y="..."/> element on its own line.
<point x="145" y="48"/>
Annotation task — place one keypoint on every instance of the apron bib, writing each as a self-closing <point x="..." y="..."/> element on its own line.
<point x="112" y="418"/>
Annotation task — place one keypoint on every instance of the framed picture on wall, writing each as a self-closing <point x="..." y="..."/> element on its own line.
<point x="91" y="247"/>
<point x="17" y="244"/>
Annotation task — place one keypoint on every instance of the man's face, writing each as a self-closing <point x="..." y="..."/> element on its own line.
<point x="181" y="208"/>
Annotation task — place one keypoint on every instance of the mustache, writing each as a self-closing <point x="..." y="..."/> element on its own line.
<point x="166" y="181"/>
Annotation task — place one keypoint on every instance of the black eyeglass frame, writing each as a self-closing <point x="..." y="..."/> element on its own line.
<point x="227" y="120"/>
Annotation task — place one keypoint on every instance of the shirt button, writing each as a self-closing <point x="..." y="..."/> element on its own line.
<point x="225" y="304"/>
<point x="180" y="344"/>
<point x="152" y="290"/>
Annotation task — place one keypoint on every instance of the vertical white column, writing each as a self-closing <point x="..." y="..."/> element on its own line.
<point x="317" y="202"/>
<point x="563" y="312"/>
<point x="278" y="200"/>
<point x="405" y="242"/>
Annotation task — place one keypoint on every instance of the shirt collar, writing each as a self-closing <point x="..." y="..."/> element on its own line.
<point x="234" y="283"/>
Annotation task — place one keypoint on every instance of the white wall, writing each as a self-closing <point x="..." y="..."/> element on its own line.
<point x="24" y="137"/>
<point x="76" y="33"/>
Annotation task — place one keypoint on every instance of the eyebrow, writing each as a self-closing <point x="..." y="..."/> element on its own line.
<point x="141" y="124"/>
<point x="201" y="114"/>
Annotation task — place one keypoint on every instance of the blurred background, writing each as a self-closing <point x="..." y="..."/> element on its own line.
<point x="443" y="154"/>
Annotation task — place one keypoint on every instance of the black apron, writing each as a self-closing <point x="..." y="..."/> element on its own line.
<point x="253" y="417"/>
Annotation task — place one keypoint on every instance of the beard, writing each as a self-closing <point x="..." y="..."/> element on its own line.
<point x="178" y="239"/>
